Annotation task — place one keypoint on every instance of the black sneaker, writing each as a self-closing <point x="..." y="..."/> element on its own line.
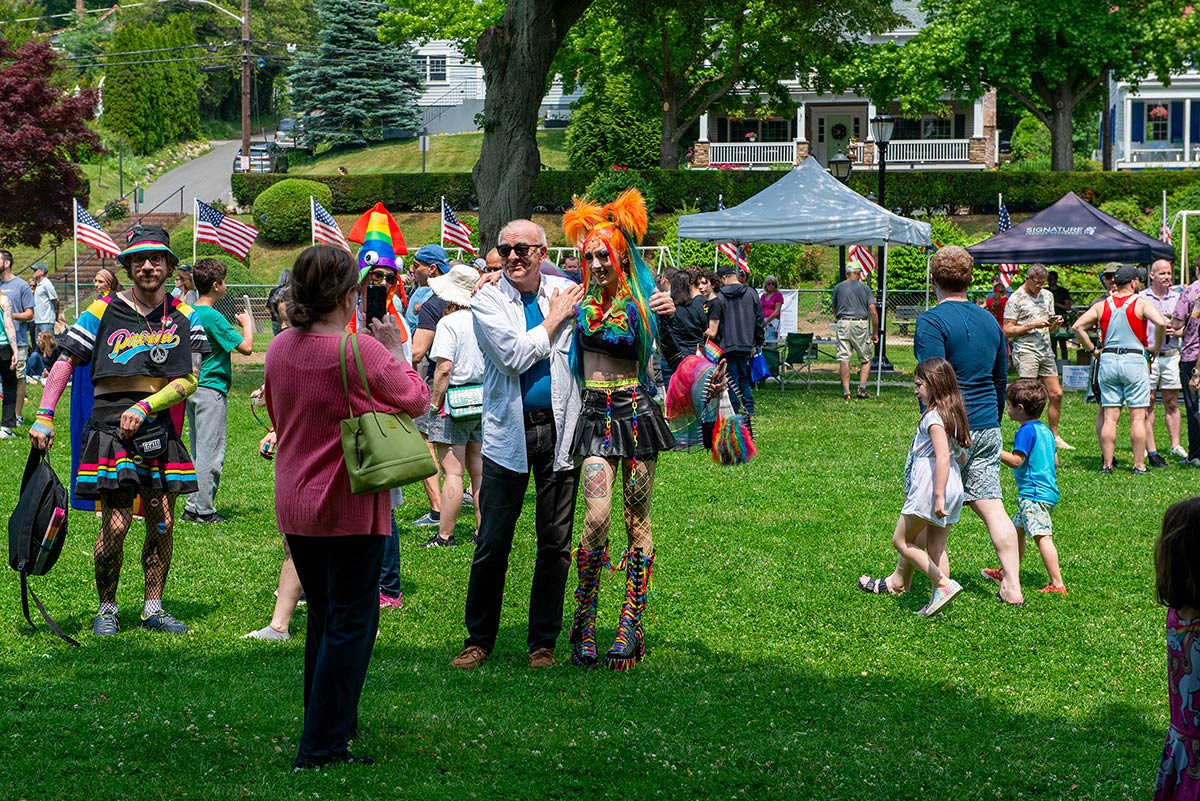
<point x="105" y="625"/>
<point x="1156" y="460"/>
<point x="437" y="542"/>
<point x="1140" y="471"/>
<point x="1106" y="471"/>
<point x="192" y="517"/>
<point x="162" y="621"/>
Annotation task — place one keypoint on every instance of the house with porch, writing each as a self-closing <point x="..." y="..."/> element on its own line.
<point x="1154" y="125"/>
<point x="825" y="124"/>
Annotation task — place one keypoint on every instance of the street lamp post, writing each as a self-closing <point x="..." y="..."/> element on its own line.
<point x="840" y="168"/>
<point x="881" y="129"/>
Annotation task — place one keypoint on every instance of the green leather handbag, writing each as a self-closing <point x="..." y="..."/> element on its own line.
<point x="383" y="450"/>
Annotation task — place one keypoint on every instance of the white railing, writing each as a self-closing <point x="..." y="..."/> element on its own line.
<point x="751" y="153"/>
<point x="927" y="150"/>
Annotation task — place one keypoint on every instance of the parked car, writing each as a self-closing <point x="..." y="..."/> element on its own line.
<point x="264" y="157"/>
<point x="285" y="133"/>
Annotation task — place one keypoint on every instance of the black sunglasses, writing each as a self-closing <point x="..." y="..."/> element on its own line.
<point x="521" y="248"/>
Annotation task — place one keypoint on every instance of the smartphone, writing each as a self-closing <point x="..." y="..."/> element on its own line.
<point x="376" y="303"/>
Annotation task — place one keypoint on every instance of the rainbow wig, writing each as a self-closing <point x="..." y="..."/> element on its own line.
<point x="617" y="227"/>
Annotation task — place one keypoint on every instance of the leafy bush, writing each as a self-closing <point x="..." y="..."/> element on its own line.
<point x="612" y="182"/>
<point x="1126" y="211"/>
<point x="610" y="127"/>
<point x="907" y="266"/>
<point x="282" y="213"/>
<point x="1030" y="139"/>
<point x="236" y="270"/>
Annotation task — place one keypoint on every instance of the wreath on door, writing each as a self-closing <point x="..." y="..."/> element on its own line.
<point x="838" y="131"/>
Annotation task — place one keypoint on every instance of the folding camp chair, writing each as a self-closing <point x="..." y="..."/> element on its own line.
<point x="798" y="356"/>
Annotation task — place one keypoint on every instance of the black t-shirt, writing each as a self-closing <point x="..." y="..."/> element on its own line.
<point x="432" y="310"/>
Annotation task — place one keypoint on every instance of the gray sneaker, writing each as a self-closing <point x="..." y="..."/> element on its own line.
<point x="105" y="625"/>
<point x="162" y="621"/>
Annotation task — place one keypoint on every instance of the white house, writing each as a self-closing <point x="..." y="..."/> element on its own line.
<point x="455" y="89"/>
<point x="824" y="125"/>
<point x="1156" y="125"/>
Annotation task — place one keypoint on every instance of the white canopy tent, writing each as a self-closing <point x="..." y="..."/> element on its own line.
<point x="808" y="206"/>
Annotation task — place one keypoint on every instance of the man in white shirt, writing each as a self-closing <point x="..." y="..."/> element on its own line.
<point x="1164" y="372"/>
<point x="530" y="405"/>
<point x="1029" y="316"/>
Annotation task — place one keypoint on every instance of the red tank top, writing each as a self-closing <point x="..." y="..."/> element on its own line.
<point x="1137" y="325"/>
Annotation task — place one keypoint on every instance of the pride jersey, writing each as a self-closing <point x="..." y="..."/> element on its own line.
<point x="119" y="342"/>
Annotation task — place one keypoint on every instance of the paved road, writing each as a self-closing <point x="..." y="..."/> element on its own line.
<point x="205" y="178"/>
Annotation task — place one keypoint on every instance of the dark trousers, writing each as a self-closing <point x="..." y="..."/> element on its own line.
<point x="1190" y="409"/>
<point x="9" y="378"/>
<point x="738" y="370"/>
<point x="389" y="573"/>
<point x="340" y="576"/>
<point x="503" y="495"/>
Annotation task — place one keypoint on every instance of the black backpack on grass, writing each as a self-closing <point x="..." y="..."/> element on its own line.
<point x="37" y="530"/>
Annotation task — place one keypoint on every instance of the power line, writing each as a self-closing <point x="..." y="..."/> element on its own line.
<point x="209" y="47"/>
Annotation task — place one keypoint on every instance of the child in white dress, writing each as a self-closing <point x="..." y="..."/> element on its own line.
<point x="932" y="483"/>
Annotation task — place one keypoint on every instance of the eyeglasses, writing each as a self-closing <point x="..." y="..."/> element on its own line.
<point x="379" y="275"/>
<point x="155" y="259"/>
<point x="521" y="248"/>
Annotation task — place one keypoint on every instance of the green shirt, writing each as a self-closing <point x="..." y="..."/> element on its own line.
<point x="215" y="370"/>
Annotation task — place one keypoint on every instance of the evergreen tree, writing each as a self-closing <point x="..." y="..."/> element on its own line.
<point x="353" y="85"/>
<point x="184" y="80"/>
<point x="127" y="106"/>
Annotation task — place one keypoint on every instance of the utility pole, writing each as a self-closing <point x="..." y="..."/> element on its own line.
<point x="245" y="85"/>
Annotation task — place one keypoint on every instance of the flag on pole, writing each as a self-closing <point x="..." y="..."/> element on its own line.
<point x="1164" y="230"/>
<point x="89" y="232"/>
<point x="325" y="228"/>
<point x="232" y="236"/>
<point x="453" y="231"/>
<point x="732" y="250"/>
<point x="865" y="258"/>
<point x="1007" y="271"/>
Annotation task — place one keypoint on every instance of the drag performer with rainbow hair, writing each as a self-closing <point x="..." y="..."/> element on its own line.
<point x="620" y="425"/>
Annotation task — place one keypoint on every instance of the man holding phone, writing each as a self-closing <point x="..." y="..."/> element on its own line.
<point x="1028" y="319"/>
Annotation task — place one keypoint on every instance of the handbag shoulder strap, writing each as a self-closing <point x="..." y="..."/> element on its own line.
<point x="362" y="373"/>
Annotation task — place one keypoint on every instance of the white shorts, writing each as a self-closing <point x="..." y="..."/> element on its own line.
<point x="1164" y="372"/>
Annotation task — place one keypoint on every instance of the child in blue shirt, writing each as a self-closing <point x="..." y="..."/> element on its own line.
<point x="1032" y="461"/>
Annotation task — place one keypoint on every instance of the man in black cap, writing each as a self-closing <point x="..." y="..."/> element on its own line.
<point x="143" y="346"/>
<point x="1124" y="371"/>
<point x="735" y="323"/>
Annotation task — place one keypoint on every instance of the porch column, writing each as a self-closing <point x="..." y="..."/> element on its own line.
<point x="977" y="118"/>
<point x="703" y="127"/>
<point x="801" y="121"/>
<point x="1127" y="156"/>
<point x="871" y="112"/>
<point x="1187" y="130"/>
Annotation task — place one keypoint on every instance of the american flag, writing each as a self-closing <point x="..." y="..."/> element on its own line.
<point x="325" y="228"/>
<point x="232" y="236"/>
<point x="1007" y="271"/>
<point x="732" y="250"/>
<point x="453" y="231"/>
<point x="1164" y="230"/>
<point x="865" y="258"/>
<point x="88" y="231"/>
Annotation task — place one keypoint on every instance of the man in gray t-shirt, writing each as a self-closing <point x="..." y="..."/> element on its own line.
<point x="857" y="328"/>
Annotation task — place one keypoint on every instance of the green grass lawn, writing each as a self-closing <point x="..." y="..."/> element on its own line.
<point x="768" y="675"/>
<point x="447" y="153"/>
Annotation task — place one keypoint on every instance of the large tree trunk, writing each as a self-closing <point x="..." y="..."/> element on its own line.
<point x="1062" y="154"/>
<point x="668" y="149"/>
<point x="516" y="57"/>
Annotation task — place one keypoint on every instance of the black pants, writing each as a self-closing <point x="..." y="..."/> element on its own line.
<point x="503" y="494"/>
<point x="340" y="576"/>
<point x="1190" y="409"/>
<point x="9" y="377"/>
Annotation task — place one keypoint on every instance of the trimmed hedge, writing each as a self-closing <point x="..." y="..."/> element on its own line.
<point x="674" y="189"/>
<point x="283" y="212"/>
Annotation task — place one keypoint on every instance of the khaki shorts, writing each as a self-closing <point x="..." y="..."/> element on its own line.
<point x="853" y="335"/>
<point x="22" y="353"/>
<point x="1034" y="363"/>
<point x="1164" y="372"/>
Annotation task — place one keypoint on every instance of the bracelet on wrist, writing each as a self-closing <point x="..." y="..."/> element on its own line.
<point x="43" y="412"/>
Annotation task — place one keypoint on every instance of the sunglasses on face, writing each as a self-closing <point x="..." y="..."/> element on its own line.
<point x="379" y="275"/>
<point x="599" y="255"/>
<point x="521" y="248"/>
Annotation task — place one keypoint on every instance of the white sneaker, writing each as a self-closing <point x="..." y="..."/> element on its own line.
<point x="1179" y="451"/>
<point x="6" y="433"/>
<point x="1062" y="445"/>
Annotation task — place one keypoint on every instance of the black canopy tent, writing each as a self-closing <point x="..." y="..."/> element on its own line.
<point x="1072" y="231"/>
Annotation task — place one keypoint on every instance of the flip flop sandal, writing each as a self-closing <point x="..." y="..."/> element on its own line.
<point x="876" y="586"/>
<point x="1017" y="605"/>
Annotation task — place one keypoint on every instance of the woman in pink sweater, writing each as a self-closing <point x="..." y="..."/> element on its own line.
<point x="336" y="537"/>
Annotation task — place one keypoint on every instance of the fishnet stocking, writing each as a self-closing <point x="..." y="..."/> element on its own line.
<point x="638" y="493"/>
<point x="110" y="545"/>
<point x="598" y="474"/>
<point x="115" y="520"/>
<point x="159" y="509"/>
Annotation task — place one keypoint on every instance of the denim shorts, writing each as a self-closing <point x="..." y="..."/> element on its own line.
<point x="1124" y="380"/>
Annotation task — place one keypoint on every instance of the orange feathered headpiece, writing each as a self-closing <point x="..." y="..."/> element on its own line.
<point x="588" y="225"/>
